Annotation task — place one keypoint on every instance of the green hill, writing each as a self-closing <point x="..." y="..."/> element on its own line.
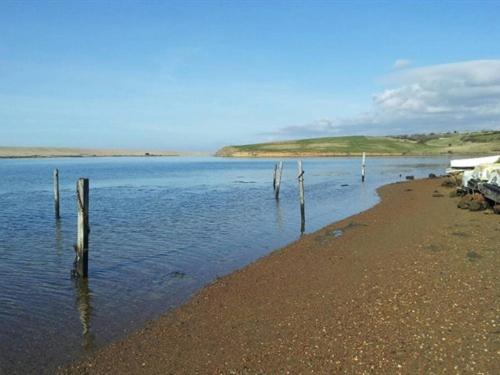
<point x="486" y="142"/>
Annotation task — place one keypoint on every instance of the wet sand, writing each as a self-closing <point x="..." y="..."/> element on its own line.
<point x="409" y="286"/>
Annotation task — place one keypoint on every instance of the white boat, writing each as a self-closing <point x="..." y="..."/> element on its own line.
<point x="474" y="162"/>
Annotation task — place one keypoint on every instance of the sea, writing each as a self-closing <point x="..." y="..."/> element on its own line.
<point x="161" y="228"/>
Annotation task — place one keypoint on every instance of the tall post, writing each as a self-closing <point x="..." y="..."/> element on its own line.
<point x="279" y="172"/>
<point x="363" y="167"/>
<point x="56" y="193"/>
<point x="301" y="191"/>
<point x="274" y="176"/>
<point x="82" y="243"/>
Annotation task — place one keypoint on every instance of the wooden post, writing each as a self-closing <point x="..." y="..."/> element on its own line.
<point x="82" y="244"/>
<point x="274" y="176"/>
<point x="56" y="193"/>
<point x="301" y="191"/>
<point x="363" y="167"/>
<point x="278" y="179"/>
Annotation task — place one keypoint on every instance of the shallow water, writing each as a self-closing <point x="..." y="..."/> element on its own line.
<point x="161" y="228"/>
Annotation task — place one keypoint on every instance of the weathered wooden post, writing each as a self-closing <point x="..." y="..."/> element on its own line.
<point x="363" y="167"/>
<point x="278" y="179"/>
<point x="301" y="191"/>
<point x="274" y="176"/>
<point x="82" y="243"/>
<point x="56" y="193"/>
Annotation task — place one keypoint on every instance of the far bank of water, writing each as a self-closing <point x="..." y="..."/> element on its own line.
<point x="161" y="228"/>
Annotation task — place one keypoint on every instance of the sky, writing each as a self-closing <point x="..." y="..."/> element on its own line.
<point x="198" y="75"/>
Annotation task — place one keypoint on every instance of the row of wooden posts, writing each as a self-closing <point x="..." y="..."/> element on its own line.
<point x="278" y="172"/>
<point x="82" y="236"/>
<point x="82" y="199"/>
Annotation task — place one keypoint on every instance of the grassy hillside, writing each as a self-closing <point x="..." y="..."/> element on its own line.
<point x="418" y="144"/>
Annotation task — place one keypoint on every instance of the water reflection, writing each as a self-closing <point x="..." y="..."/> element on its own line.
<point x="302" y="220"/>
<point x="83" y="298"/>
<point x="364" y="196"/>
<point x="279" y="216"/>
<point x="58" y="238"/>
<point x="147" y="205"/>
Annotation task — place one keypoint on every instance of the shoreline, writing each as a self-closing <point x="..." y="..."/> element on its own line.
<point x="343" y="155"/>
<point x="349" y="297"/>
<point x="89" y="156"/>
<point x="68" y="152"/>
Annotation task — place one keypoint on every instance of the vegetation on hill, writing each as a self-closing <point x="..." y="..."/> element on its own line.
<point x="416" y="144"/>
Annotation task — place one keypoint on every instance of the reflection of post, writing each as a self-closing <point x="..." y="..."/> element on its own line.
<point x="301" y="190"/>
<point x="83" y="304"/>
<point x="59" y="239"/>
<point x="56" y="193"/>
<point x="278" y="179"/>
<point x="364" y="198"/>
<point x="82" y="244"/>
<point x="279" y="215"/>
<point x="363" y="168"/>
<point x="274" y="177"/>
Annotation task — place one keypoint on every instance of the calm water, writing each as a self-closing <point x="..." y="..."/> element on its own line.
<point x="161" y="228"/>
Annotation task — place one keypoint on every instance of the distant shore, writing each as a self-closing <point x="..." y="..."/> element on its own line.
<point x="409" y="286"/>
<point x="55" y="152"/>
<point x="279" y="154"/>
<point x="485" y="142"/>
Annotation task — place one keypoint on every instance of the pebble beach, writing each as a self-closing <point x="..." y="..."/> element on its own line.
<point x="408" y="286"/>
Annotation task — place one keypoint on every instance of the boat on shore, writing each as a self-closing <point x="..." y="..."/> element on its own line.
<point x="490" y="191"/>
<point x="459" y="165"/>
<point x="478" y="175"/>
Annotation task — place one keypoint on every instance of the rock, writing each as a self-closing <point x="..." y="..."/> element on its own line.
<point x="467" y="197"/>
<point x="336" y="233"/>
<point x="473" y="256"/>
<point x="448" y="183"/>
<point x="464" y="201"/>
<point x="478" y="197"/>
<point x="437" y="195"/>
<point x="496" y="209"/>
<point x="410" y="177"/>
<point x="432" y="175"/>
<point x="476" y="206"/>
<point x="453" y="194"/>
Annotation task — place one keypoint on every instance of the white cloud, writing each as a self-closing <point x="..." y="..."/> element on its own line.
<point x="401" y="63"/>
<point x="315" y="128"/>
<point x="458" y="96"/>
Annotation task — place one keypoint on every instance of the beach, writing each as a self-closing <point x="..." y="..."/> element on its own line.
<point x="409" y="286"/>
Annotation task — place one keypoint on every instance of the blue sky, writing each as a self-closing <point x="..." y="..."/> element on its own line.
<point x="198" y="75"/>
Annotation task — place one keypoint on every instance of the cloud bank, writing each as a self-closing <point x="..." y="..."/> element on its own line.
<point x="457" y="96"/>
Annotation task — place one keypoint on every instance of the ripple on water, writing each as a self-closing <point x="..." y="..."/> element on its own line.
<point x="160" y="230"/>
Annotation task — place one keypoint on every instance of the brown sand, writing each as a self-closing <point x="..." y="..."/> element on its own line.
<point x="411" y="286"/>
